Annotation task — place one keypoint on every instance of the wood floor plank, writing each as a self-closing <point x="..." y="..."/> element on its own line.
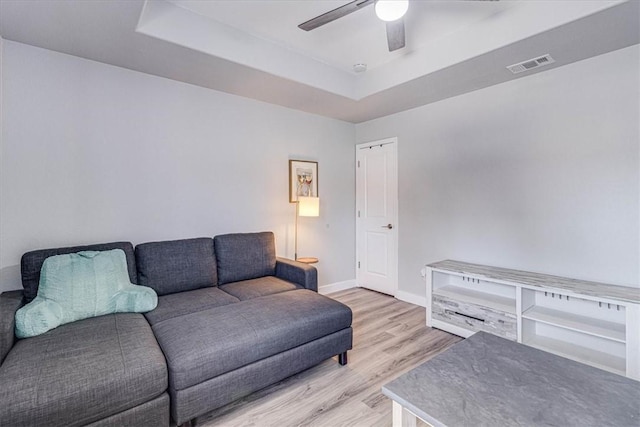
<point x="390" y="338"/>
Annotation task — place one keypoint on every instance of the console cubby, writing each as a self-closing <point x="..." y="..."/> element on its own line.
<point x="572" y="344"/>
<point x="593" y="323"/>
<point x="475" y="291"/>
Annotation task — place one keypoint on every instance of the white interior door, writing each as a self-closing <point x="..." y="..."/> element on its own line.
<point x="377" y="215"/>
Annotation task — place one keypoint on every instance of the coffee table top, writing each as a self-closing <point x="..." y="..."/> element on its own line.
<point x="486" y="380"/>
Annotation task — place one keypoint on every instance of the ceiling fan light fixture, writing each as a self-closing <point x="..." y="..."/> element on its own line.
<point x="391" y="10"/>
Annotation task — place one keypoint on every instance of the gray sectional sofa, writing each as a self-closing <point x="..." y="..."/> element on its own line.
<point x="231" y="319"/>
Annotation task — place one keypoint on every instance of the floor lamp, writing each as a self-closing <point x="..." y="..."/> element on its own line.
<point x="306" y="206"/>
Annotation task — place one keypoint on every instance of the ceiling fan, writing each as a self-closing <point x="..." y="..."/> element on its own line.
<point x="390" y="11"/>
<point x="394" y="9"/>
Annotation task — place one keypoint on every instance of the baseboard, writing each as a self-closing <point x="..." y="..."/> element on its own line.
<point x="348" y="284"/>
<point x="411" y="298"/>
<point x="338" y="286"/>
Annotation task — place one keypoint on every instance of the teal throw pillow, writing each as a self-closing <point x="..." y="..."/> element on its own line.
<point x="82" y="285"/>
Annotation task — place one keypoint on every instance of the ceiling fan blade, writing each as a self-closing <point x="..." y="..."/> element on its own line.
<point x="395" y="34"/>
<point x="334" y="14"/>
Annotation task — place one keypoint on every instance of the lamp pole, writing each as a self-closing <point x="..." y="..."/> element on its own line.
<point x="295" y="251"/>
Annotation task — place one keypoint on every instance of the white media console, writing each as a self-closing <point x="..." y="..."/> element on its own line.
<point x="593" y="323"/>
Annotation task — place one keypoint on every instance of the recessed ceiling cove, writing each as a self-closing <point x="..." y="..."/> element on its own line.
<point x="265" y="35"/>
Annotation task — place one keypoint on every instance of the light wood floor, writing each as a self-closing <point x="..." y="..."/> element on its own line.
<point x="389" y="338"/>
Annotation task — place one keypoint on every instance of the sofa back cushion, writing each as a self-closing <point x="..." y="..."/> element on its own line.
<point x="244" y="256"/>
<point x="31" y="263"/>
<point x="177" y="265"/>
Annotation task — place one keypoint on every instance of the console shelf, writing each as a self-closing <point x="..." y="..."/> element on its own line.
<point x="599" y="328"/>
<point x="589" y="322"/>
<point x="470" y="296"/>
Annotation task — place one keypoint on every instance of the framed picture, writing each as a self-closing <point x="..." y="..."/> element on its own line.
<point x="303" y="179"/>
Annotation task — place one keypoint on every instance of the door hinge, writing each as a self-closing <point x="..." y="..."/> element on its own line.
<point x="358" y="264"/>
<point x="358" y="214"/>
<point x="358" y="163"/>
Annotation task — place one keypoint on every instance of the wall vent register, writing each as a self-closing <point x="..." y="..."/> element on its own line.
<point x="530" y="64"/>
<point x="593" y="323"/>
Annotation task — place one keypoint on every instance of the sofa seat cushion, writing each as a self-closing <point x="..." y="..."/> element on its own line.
<point x="181" y="303"/>
<point x="254" y="288"/>
<point x="203" y="345"/>
<point x="82" y="372"/>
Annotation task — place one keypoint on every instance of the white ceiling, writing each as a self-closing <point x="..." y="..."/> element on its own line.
<point x="356" y="38"/>
<point x="254" y="48"/>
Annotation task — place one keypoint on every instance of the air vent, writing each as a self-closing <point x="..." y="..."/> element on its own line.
<point x="530" y="64"/>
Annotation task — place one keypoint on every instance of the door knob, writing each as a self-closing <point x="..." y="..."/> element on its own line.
<point x="389" y="226"/>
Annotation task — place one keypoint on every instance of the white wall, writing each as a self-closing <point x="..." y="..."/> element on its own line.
<point x="540" y="173"/>
<point x="94" y="153"/>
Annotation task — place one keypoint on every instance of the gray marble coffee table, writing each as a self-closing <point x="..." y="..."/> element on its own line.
<point x="486" y="380"/>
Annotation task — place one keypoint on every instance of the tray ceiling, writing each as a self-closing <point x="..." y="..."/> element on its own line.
<point x="254" y="48"/>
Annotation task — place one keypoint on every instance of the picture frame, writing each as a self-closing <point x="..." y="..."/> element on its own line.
<point x="303" y="179"/>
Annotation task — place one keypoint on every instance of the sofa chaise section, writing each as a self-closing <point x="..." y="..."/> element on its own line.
<point x="214" y="344"/>
<point x="101" y="371"/>
<point x="223" y="389"/>
<point x="258" y="323"/>
<point x="84" y="372"/>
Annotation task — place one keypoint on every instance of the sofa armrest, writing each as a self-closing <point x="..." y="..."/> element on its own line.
<point x="10" y="302"/>
<point x="297" y="272"/>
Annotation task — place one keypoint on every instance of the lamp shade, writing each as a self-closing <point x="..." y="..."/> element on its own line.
<point x="390" y="10"/>
<point x="308" y="206"/>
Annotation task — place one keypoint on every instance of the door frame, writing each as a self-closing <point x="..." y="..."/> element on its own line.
<point x="358" y="147"/>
